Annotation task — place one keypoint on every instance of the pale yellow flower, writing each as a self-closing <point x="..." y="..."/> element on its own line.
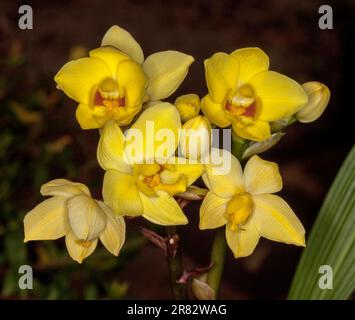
<point x="146" y="187"/>
<point x="115" y="80"/>
<point x="246" y="205"/>
<point x="73" y="214"/>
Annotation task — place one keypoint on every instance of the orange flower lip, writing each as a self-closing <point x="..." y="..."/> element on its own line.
<point x="249" y="111"/>
<point x="107" y="102"/>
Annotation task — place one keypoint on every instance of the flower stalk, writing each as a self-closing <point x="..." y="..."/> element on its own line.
<point x="239" y="145"/>
<point x="174" y="256"/>
<point x="218" y="255"/>
<point x="219" y="246"/>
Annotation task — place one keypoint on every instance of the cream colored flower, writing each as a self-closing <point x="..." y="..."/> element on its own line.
<point x="71" y="212"/>
<point x="246" y="205"/>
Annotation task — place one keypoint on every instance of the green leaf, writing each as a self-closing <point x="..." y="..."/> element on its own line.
<point x="331" y="242"/>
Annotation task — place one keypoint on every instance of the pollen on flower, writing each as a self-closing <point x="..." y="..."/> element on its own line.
<point x="152" y="181"/>
<point x="108" y="95"/>
<point x="243" y="102"/>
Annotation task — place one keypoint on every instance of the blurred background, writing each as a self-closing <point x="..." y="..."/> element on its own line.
<point x="40" y="139"/>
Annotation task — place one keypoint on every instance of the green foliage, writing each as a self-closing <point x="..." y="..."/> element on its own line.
<point x="331" y="242"/>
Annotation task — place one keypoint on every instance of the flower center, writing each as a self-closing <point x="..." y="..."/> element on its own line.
<point x="239" y="209"/>
<point x="243" y="102"/>
<point x="152" y="178"/>
<point x="152" y="181"/>
<point x="84" y="243"/>
<point x="109" y="95"/>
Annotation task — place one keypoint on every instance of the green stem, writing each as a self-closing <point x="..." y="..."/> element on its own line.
<point x="218" y="255"/>
<point x="175" y="265"/>
<point x="219" y="247"/>
<point x="239" y="145"/>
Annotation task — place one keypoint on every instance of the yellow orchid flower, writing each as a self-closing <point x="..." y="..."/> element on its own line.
<point x="114" y="81"/>
<point x="245" y="204"/>
<point x="245" y="94"/>
<point x="146" y="187"/>
<point x="71" y="212"/>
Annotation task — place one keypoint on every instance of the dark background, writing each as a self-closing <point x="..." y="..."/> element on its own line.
<point x="40" y="139"/>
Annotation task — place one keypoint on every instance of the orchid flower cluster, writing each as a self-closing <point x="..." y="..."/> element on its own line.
<point x="154" y="151"/>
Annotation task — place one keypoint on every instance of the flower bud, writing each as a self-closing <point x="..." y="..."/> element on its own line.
<point x="319" y="95"/>
<point x="193" y="193"/>
<point x="195" y="140"/>
<point x="259" y="147"/>
<point x="201" y="290"/>
<point x="282" y="124"/>
<point x="188" y="106"/>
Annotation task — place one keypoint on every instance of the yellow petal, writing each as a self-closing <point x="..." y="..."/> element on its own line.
<point x="64" y="188"/>
<point x="145" y="169"/>
<point x="162" y="210"/>
<point x="222" y="72"/>
<point x="163" y="118"/>
<point x="215" y="112"/>
<point x="250" y="129"/>
<point x="262" y="176"/>
<point x="91" y="117"/>
<point x="165" y="70"/>
<point x="190" y="169"/>
<point x="111" y="56"/>
<point x="131" y="77"/>
<point x="79" y="77"/>
<point x="251" y="62"/>
<point x="78" y="249"/>
<point x="86" y="218"/>
<point x="224" y="174"/>
<point x="121" y="194"/>
<point x="110" y="150"/>
<point x="113" y="236"/>
<point x="123" y="40"/>
<point x="243" y="241"/>
<point x="275" y="220"/>
<point x="124" y="116"/>
<point x="213" y="212"/>
<point x="46" y="221"/>
<point x="280" y="96"/>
